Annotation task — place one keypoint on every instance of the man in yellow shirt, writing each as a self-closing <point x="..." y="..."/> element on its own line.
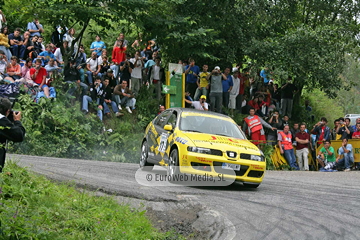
<point x="203" y="83"/>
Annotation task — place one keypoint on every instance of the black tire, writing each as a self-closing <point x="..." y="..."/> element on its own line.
<point x="249" y="185"/>
<point x="144" y="164"/>
<point x="173" y="167"/>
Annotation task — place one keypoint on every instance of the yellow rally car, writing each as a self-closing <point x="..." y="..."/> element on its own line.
<point x="196" y="142"/>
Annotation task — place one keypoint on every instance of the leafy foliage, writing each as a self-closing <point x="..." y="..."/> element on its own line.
<point x="59" y="129"/>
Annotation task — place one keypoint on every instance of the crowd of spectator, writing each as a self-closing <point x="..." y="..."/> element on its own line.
<point x="112" y="83"/>
<point x="270" y="109"/>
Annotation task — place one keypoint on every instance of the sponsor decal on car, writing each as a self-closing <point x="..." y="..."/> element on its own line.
<point x="181" y="140"/>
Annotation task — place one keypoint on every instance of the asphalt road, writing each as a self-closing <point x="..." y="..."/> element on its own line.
<point x="287" y="205"/>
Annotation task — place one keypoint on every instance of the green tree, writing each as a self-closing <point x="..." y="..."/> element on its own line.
<point x="305" y="39"/>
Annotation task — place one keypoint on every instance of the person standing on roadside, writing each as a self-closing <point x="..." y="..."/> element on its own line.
<point x="227" y="87"/>
<point x="354" y="127"/>
<point x="288" y="90"/>
<point x="11" y="128"/>
<point x="254" y="125"/>
<point x="321" y="130"/>
<point x="203" y="83"/>
<point x="192" y="72"/>
<point x="344" y="129"/>
<point x="356" y="133"/>
<point x="275" y="122"/>
<point x="286" y="147"/>
<point x="302" y="139"/>
<point x="216" y="89"/>
<point x="333" y="133"/>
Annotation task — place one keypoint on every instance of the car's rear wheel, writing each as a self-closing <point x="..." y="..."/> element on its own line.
<point x="250" y="185"/>
<point x="144" y="164"/>
<point x="173" y="167"/>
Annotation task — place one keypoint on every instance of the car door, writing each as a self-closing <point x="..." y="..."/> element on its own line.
<point x="160" y="136"/>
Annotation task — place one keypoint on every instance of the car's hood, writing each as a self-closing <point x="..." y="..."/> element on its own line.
<point x="222" y="143"/>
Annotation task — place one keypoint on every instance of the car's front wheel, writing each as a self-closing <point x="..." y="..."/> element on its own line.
<point x="173" y="167"/>
<point x="144" y="164"/>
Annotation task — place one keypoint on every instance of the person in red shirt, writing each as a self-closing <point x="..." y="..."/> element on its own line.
<point x="253" y="125"/>
<point x="356" y="134"/>
<point x="118" y="55"/>
<point x="302" y="139"/>
<point x="257" y="103"/>
<point x="321" y="131"/>
<point x="38" y="75"/>
<point x="286" y="147"/>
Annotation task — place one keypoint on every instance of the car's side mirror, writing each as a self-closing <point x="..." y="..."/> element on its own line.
<point x="168" y="127"/>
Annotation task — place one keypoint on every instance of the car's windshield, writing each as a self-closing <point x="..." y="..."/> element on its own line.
<point x="210" y="124"/>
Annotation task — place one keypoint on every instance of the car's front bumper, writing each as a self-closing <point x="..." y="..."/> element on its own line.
<point x="211" y="165"/>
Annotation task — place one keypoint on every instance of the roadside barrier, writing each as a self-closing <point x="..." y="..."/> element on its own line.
<point x="278" y="159"/>
<point x="336" y="144"/>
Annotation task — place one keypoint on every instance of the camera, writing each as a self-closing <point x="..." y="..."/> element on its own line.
<point x="11" y="115"/>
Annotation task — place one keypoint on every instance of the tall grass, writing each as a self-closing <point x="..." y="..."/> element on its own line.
<point x="33" y="207"/>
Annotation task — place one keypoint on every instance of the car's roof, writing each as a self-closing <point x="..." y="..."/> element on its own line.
<point x="192" y="110"/>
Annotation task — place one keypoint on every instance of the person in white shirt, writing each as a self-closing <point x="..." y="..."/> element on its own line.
<point x="40" y="41"/>
<point x="58" y="54"/>
<point x="136" y="74"/>
<point x="93" y="67"/>
<point x="199" y="105"/>
<point x="2" y="19"/>
<point x="69" y="36"/>
<point x="156" y="77"/>
<point x="3" y="63"/>
<point x="234" y="91"/>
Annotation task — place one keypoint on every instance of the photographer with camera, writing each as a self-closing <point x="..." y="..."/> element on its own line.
<point x="215" y="79"/>
<point x="344" y="128"/>
<point x="126" y="68"/>
<point x="276" y="122"/>
<point x="72" y="76"/>
<point x="10" y="130"/>
<point x="96" y="96"/>
<point x="136" y="74"/>
<point x="321" y="130"/>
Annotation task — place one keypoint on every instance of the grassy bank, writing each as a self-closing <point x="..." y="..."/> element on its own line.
<point x="32" y="207"/>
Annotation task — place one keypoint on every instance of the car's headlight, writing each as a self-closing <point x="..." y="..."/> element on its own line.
<point x="256" y="158"/>
<point x="252" y="157"/>
<point x="199" y="150"/>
